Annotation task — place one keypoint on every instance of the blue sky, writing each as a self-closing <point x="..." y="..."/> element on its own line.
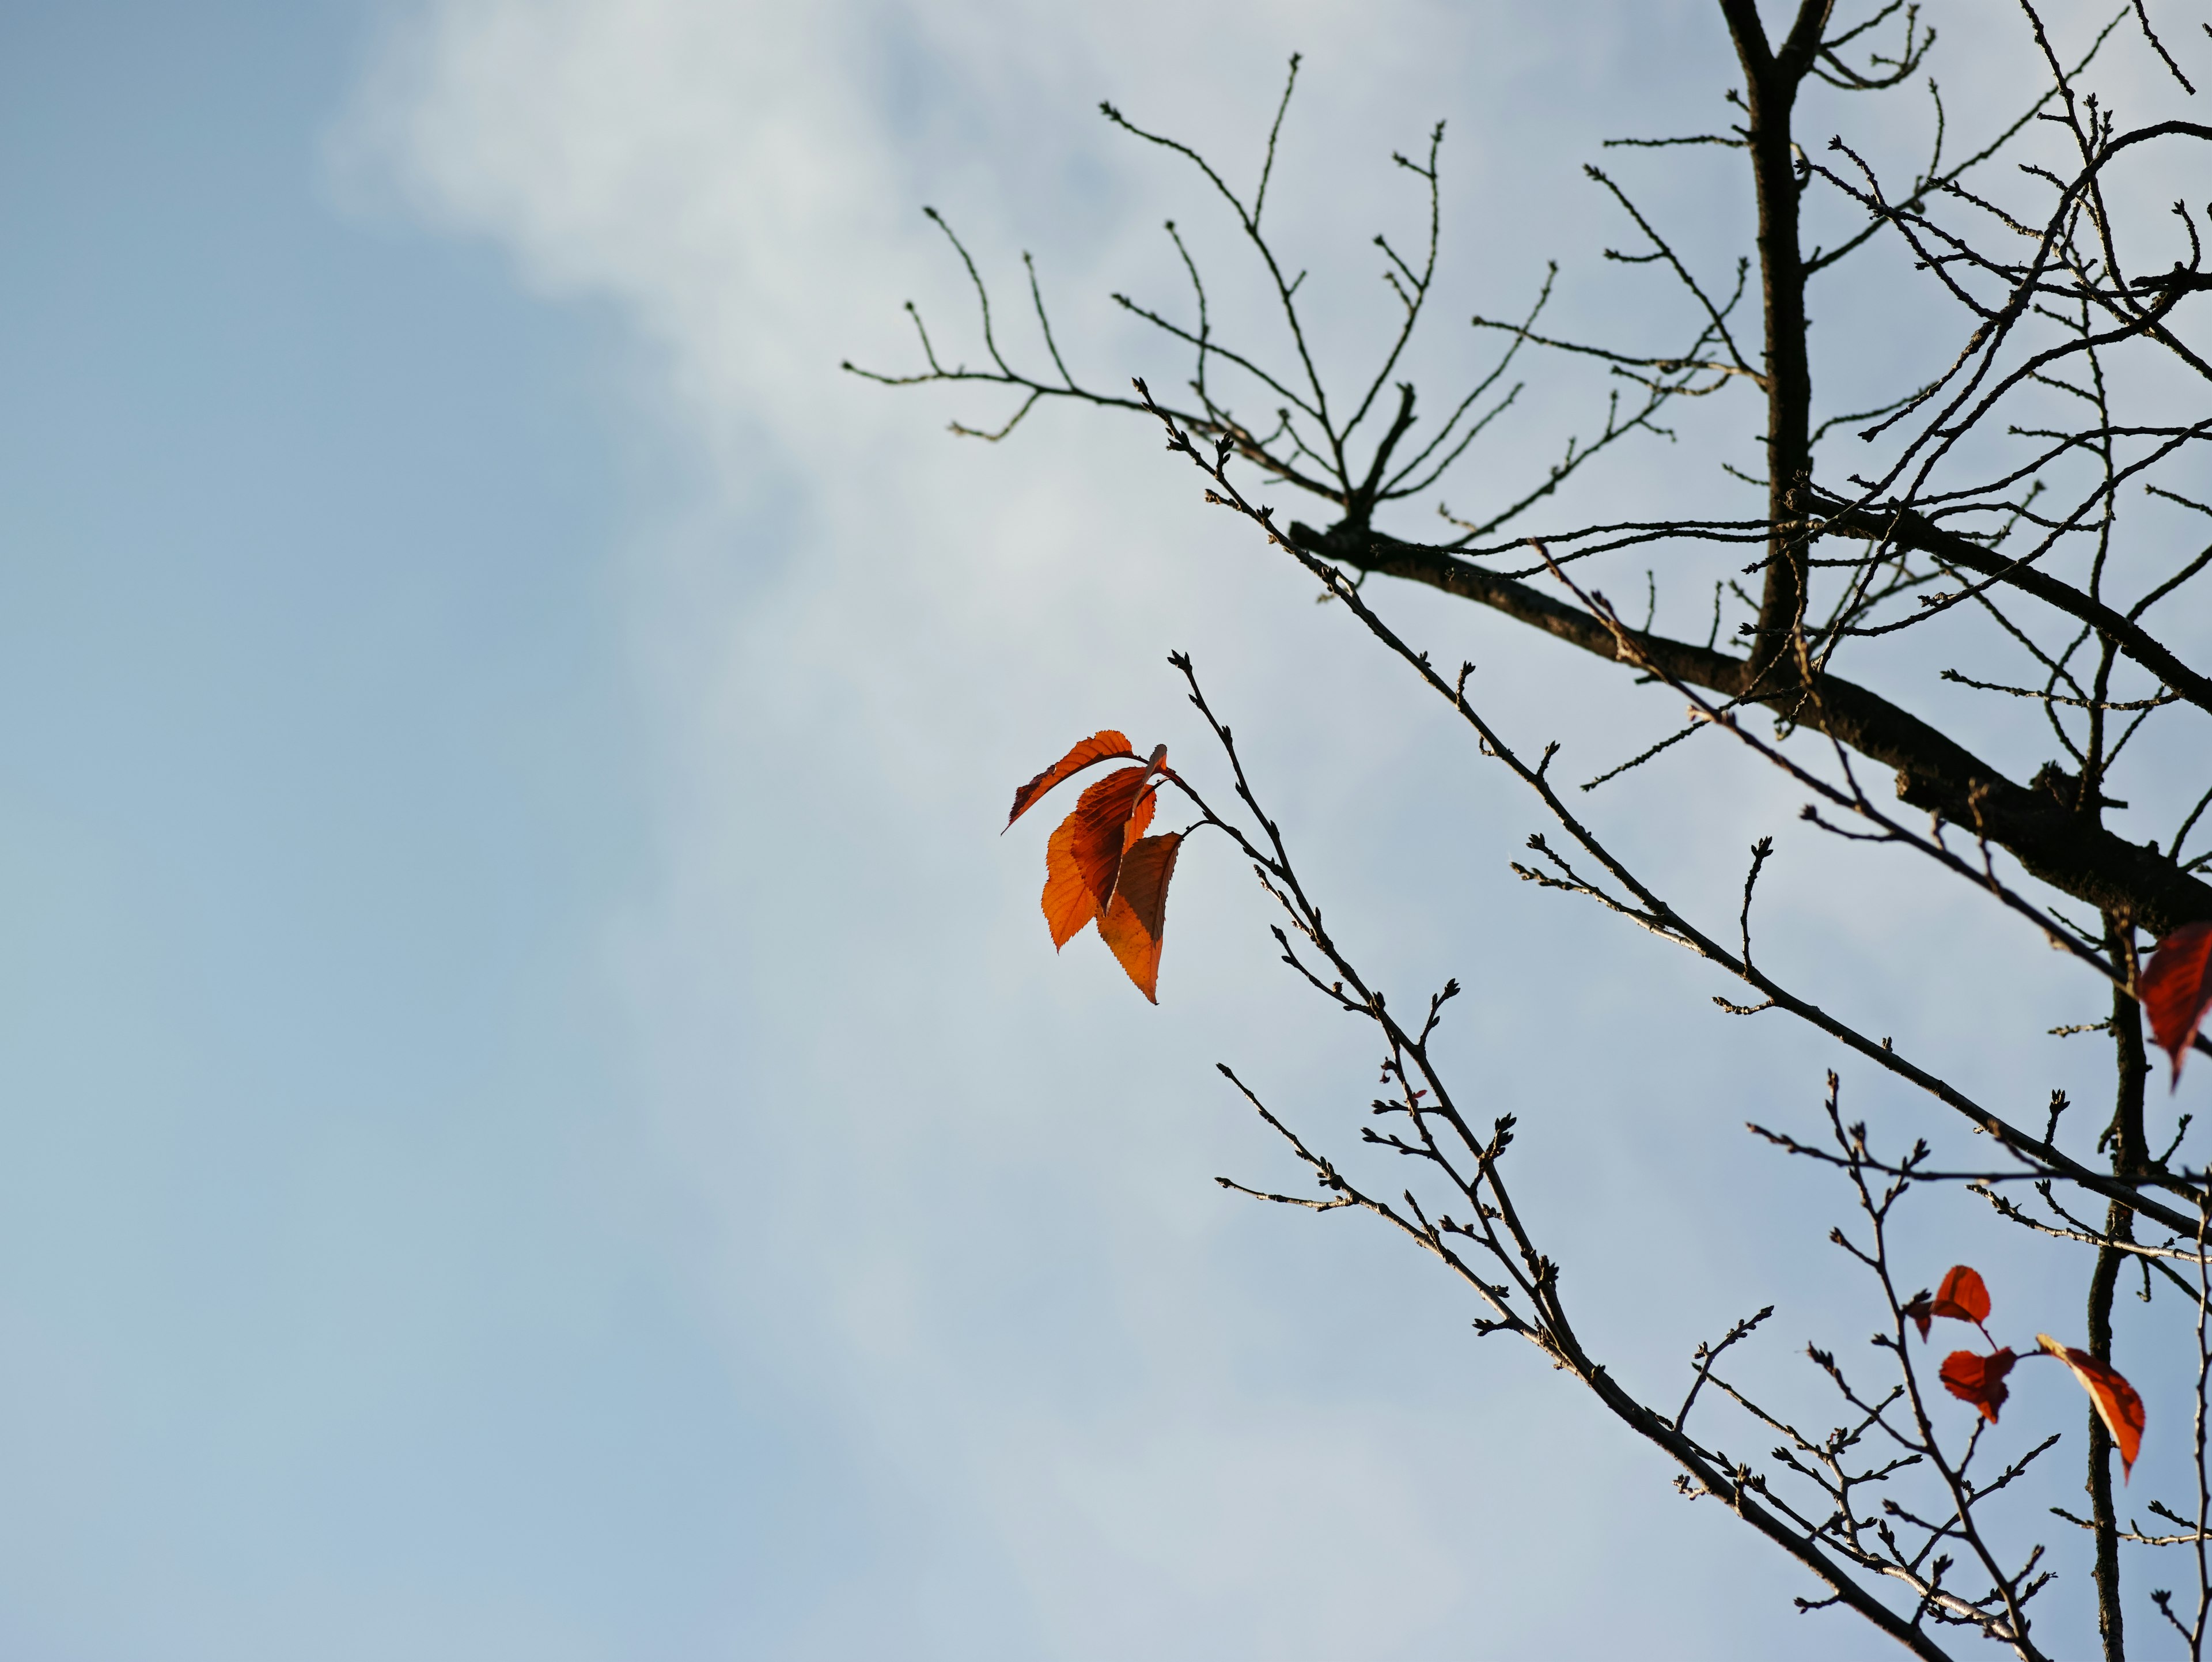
<point x="536" y="1118"/>
<point x="332" y="1278"/>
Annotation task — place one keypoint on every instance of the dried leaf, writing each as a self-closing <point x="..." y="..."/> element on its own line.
<point x="2117" y="1403"/>
<point x="1098" y="747"/>
<point x="1084" y="857"/>
<point x="2177" y="988"/>
<point x="1136" y="919"/>
<point x="1974" y="1378"/>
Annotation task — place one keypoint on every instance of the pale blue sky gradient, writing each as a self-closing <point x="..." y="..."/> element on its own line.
<point x="537" y="1119"/>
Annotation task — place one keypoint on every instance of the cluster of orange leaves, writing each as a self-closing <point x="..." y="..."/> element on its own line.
<point x="1978" y="1377"/>
<point x="1099" y="866"/>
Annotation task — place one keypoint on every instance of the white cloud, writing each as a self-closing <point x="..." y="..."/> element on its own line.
<point x="957" y="1188"/>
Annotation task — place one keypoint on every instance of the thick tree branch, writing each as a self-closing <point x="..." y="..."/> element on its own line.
<point x="1909" y="530"/>
<point x="1771" y="80"/>
<point x="2052" y="842"/>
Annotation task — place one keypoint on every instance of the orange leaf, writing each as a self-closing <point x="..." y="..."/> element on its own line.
<point x="2117" y="1403"/>
<point x="2177" y="988"/>
<point x="1962" y="1297"/>
<point x="1097" y="747"/>
<point x="1109" y="817"/>
<point x="1084" y="857"/>
<point x="1136" y="919"/>
<point x="1974" y="1378"/>
<point x="1068" y="902"/>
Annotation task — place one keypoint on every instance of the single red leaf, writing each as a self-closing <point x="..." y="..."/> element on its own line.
<point x="1098" y="747"/>
<point x="2117" y="1403"/>
<point x="1135" y="921"/>
<point x="1083" y="856"/>
<point x="1962" y="1297"/>
<point x="1974" y="1378"/>
<point x="2177" y="988"/>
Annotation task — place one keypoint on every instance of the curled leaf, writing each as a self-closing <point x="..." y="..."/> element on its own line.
<point x="2117" y="1403"/>
<point x="1136" y="919"/>
<point x="1974" y="1378"/>
<point x="1098" y="747"/>
<point x="2177" y="988"/>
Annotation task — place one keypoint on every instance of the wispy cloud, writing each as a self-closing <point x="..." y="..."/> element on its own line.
<point x="960" y="1191"/>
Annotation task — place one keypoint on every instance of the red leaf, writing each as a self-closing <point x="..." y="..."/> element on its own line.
<point x="1136" y="919"/>
<point x="2116" y="1401"/>
<point x="1084" y="857"/>
<point x="1974" y="1378"/>
<point x="1098" y="747"/>
<point x="2177" y="988"/>
<point x="1962" y="1297"/>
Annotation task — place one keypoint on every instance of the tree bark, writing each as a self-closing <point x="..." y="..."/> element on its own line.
<point x="2040" y="829"/>
<point x="1770" y="79"/>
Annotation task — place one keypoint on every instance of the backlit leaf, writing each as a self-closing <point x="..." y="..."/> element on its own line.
<point x="1068" y="902"/>
<point x="2177" y="988"/>
<point x="1135" y="919"/>
<point x="1084" y="857"/>
<point x="1974" y="1378"/>
<point x="2117" y="1403"/>
<point x="1109" y="817"/>
<point x="1099" y="866"/>
<point x="1097" y="747"/>
<point x="1962" y="1297"/>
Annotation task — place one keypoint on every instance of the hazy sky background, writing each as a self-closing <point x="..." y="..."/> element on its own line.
<point x="537" y="1117"/>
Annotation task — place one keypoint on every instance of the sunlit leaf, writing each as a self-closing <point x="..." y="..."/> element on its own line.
<point x="1099" y="866"/>
<point x="1083" y="859"/>
<point x="2118" y="1406"/>
<point x="1110" y="816"/>
<point x="1098" y="747"/>
<point x="1962" y="1298"/>
<point x="1068" y="902"/>
<point x="2177" y="988"/>
<point x="1974" y="1378"/>
<point x="1136" y="919"/>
